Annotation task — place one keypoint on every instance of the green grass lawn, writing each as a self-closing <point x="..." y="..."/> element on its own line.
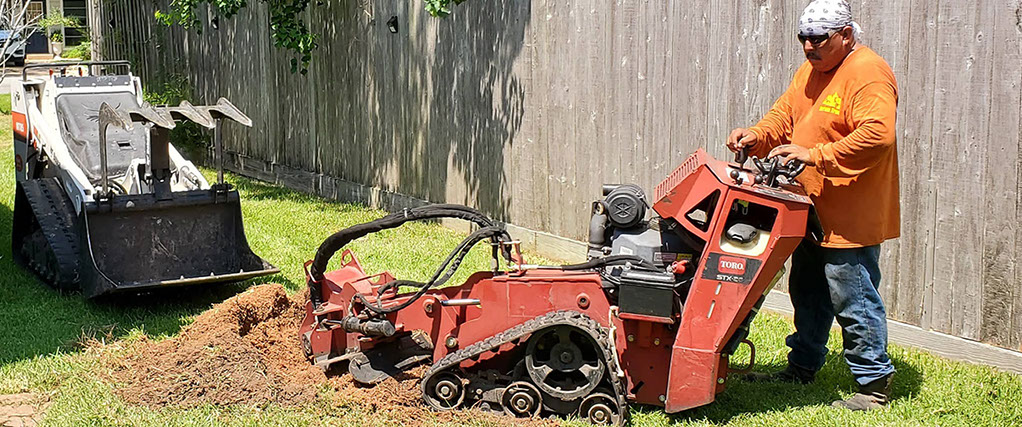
<point x="40" y="330"/>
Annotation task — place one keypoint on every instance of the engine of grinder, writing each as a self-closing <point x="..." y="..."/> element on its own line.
<point x="619" y="226"/>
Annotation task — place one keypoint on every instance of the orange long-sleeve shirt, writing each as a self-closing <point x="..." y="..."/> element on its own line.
<point x="846" y="118"/>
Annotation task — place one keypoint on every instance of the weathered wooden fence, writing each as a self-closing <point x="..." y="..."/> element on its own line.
<point x="523" y="108"/>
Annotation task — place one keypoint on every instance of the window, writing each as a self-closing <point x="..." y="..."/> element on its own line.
<point x="34" y="11"/>
<point x="78" y="10"/>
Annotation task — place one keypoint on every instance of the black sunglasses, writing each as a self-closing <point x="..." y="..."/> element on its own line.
<point x="816" y="40"/>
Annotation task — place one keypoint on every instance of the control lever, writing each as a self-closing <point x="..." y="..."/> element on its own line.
<point x="740" y="157"/>
<point x="123" y="117"/>
<point x="771" y="169"/>
<point x="794" y="168"/>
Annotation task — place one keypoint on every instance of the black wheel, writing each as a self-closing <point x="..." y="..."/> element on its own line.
<point x="522" y="399"/>
<point x="444" y="391"/>
<point x="564" y="362"/>
<point x="600" y="409"/>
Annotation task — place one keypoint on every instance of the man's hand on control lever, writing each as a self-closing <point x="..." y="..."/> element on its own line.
<point x="740" y="138"/>
<point x="789" y="152"/>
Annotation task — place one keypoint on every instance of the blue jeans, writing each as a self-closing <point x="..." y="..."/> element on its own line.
<point x="830" y="283"/>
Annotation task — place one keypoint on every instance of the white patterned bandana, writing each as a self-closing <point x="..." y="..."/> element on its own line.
<point x="823" y="16"/>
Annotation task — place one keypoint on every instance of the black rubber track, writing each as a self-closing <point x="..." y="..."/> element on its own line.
<point x="50" y="247"/>
<point x="522" y="331"/>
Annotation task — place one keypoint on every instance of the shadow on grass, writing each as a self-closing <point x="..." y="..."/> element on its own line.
<point x="36" y="320"/>
<point x="742" y="397"/>
<point x="255" y="190"/>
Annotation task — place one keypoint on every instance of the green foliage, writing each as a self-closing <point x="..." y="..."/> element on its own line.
<point x="440" y="7"/>
<point x="171" y="91"/>
<point x="83" y="51"/>
<point x="288" y="29"/>
<point x="56" y="19"/>
<point x="290" y="32"/>
<point x="182" y="12"/>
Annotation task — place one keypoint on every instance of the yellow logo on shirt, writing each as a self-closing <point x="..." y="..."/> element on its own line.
<point x="832" y="104"/>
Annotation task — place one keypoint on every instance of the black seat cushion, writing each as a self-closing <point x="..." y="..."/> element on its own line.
<point x="78" y="115"/>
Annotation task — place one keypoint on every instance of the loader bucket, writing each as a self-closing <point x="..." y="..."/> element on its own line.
<point x="136" y="242"/>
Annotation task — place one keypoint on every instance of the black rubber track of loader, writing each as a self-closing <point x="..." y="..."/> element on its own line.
<point x="554" y="318"/>
<point x="54" y="225"/>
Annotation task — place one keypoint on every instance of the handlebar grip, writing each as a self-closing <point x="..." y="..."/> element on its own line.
<point x="741" y="156"/>
<point x="795" y="168"/>
<point x="759" y="164"/>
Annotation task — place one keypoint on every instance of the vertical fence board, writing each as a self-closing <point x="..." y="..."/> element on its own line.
<point x="657" y="158"/>
<point x="640" y="103"/>
<point x="521" y="179"/>
<point x="589" y="114"/>
<point x="916" y="99"/>
<point x="1016" y="316"/>
<point x="689" y="80"/>
<point x="557" y="37"/>
<point x="721" y="59"/>
<point x="960" y="69"/>
<point x="885" y="37"/>
<point x="621" y="115"/>
<point x="538" y="136"/>
<point x="1001" y="178"/>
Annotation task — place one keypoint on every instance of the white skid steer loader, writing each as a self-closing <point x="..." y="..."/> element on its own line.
<point x="104" y="202"/>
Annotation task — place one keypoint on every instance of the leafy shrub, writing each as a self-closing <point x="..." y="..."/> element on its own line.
<point x="82" y="51"/>
<point x="171" y="90"/>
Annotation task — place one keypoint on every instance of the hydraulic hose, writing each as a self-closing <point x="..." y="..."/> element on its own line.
<point x="489" y="230"/>
<point x="611" y="260"/>
<point x="440" y="276"/>
<point x="341" y="238"/>
<point x="330" y="246"/>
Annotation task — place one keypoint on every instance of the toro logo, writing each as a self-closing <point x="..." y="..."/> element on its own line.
<point x="732" y="265"/>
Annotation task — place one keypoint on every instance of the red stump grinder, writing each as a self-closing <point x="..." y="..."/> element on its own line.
<point x="652" y="317"/>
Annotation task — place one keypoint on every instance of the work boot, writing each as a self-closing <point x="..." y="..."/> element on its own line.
<point x="790" y="374"/>
<point x="871" y="396"/>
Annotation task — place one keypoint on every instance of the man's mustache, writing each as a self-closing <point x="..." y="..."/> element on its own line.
<point x="813" y="55"/>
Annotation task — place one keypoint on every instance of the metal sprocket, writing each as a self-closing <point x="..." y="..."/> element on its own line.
<point x="564" y="362"/>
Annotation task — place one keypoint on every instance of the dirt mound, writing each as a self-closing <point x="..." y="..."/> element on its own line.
<point x="242" y="351"/>
<point x="246" y="351"/>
